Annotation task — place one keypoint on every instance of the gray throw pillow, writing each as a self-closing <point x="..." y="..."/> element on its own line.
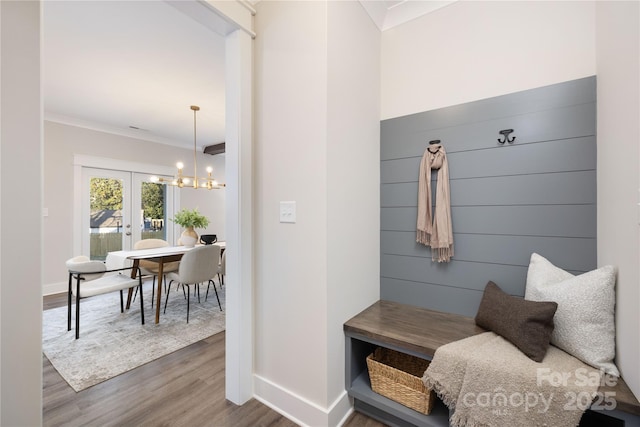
<point x="585" y="323"/>
<point x="526" y="324"/>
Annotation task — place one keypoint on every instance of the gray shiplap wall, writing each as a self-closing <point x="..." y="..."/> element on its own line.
<point x="507" y="201"/>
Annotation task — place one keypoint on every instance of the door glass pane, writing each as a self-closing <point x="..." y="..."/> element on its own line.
<point x="153" y="211"/>
<point x="106" y="222"/>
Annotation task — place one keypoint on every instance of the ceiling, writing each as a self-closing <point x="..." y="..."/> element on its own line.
<point x="135" y="67"/>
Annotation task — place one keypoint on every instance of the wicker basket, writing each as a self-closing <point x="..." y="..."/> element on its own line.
<point x="398" y="376"/>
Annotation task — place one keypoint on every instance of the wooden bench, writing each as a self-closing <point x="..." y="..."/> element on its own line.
<point x="419" y="332"/>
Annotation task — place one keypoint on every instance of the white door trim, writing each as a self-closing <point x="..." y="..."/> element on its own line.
<point x="231" y="19"/>
<point x="239" y="218"/>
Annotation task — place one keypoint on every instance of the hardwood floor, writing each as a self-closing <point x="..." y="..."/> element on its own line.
<point x="184" y="388"/>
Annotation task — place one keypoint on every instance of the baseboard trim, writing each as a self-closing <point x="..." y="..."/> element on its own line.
<point x="298" y="409"/>
<point x="54" y="288"/>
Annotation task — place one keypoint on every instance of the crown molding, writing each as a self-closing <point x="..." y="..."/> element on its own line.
<point x="389" y="14"/>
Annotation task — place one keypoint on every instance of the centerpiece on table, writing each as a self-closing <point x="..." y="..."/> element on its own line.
<point x="190" y="219"/>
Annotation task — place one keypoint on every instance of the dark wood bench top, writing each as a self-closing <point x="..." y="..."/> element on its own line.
<point x="423" y="331"/>
<point x="415" y="328"/>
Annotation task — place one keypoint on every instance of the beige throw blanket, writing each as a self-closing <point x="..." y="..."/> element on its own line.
<point x="489" y="382"/>
<point x="435" y="230"/>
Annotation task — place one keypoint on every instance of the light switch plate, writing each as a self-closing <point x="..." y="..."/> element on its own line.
<point x="288" y="212"/>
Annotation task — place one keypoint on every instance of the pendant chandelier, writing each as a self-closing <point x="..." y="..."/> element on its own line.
<point x="181" y="180"/>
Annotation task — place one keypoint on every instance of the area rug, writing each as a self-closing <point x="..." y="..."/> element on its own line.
<point x="112" y="343"/>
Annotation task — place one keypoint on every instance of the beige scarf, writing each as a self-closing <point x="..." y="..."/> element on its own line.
<point x="435" y="231"/>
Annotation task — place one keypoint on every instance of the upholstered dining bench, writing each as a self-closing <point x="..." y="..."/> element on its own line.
<point x="419" y="332"/>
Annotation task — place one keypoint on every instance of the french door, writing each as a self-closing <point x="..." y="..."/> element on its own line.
<point x="120" y="208"/>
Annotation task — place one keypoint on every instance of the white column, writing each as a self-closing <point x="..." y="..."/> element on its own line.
<point x="239" y="176"/>
<point x="20" y="215"/>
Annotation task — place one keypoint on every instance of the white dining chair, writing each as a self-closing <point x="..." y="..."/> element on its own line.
<point x="197" y="266"/>
<point x="93" y="278"/>
<point x="150" y="268"/>
<point x="222" y="269"/>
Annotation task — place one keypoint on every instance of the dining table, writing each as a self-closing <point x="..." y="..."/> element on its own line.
<point x="158" y="255"/>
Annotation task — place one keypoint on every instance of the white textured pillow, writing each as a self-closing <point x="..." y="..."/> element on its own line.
<point x="585" y="318"/>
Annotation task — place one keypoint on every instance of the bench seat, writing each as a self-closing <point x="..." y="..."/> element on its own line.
<point x="421" y="331"/>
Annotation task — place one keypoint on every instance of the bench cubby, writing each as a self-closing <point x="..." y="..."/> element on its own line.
<point x="419" y="332"/>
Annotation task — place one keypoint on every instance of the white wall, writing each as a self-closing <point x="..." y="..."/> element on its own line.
<point x="317" y="143"/>
<point x="618" y="66"/>
<point x="291" y="165"/>
<point x="353" y="190"/>
<point x="474" y="50"/>
<point x="21" y="215"/>
<point x="62" y="142"/>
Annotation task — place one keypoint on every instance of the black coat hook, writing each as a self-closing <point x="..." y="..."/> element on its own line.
<point x="434" y="141"/>
<point x="505" y="133"/>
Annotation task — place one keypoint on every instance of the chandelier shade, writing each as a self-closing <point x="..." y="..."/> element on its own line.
<point x="181" y="180"/>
